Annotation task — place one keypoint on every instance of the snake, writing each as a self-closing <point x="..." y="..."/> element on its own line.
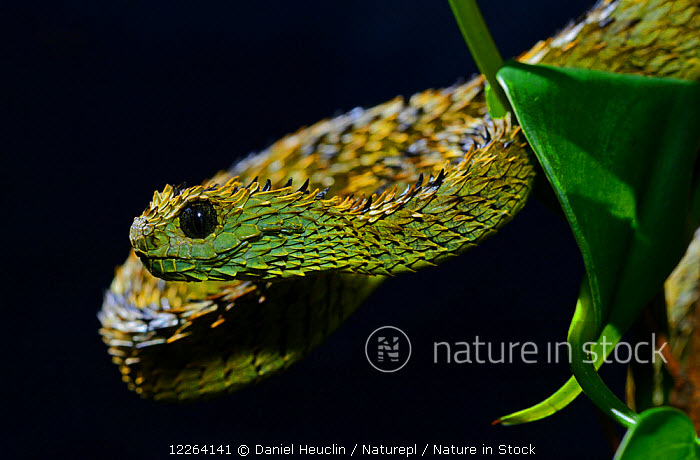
<point x="236" y="279"/>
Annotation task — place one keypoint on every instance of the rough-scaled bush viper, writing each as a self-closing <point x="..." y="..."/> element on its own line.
<point x="261" y="263"/>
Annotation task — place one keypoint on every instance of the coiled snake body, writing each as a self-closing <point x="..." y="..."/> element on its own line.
<point x="261" y="263"/>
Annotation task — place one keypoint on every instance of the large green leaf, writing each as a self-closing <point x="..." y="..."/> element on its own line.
<point x="619" y="152"/>
<point x="663" y="432"/>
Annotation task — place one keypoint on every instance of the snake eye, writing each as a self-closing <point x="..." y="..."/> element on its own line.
<point x="198" y="219"/>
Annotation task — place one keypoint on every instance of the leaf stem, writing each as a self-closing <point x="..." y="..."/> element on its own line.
<point x="483" y="50"/>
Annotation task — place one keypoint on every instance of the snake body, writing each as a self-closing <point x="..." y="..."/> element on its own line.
<point x="258" y="265"/>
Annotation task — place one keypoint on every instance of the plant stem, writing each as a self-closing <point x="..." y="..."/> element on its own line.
<point x="483" y="50"/>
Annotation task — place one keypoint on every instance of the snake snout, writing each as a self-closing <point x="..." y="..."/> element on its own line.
<point x="138" y="232"/>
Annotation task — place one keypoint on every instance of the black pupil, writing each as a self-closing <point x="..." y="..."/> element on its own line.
<point x="198" y="219"/>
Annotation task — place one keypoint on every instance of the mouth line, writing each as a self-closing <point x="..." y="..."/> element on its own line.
<point x="173" y="269"/>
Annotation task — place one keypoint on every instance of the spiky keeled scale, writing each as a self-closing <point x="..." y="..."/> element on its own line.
<point x="175" y="340"/>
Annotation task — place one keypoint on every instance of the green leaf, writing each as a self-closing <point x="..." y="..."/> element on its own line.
<point x="559" y="400"/>
<point x="662" y="432"/>
<point x="619" y="152"/>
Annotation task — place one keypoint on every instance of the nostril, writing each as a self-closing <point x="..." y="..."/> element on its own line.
<point x="152" y="242"/>
<point x="138" y="242"/>
<point x="142" y="237"/>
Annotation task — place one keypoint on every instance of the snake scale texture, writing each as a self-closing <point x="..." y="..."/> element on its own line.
<point x="236" y="279"/>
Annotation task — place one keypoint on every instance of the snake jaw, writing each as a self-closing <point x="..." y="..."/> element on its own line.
<point x="173" y="269"/>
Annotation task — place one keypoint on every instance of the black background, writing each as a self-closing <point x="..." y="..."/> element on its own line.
<point x="108" y="101"/>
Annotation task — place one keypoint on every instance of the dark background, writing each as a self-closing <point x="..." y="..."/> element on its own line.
<point x="108" y="101"/>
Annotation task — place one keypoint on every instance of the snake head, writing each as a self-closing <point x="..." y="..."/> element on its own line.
<point x="190" y="234"/>
<point x="229" y="232"/>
